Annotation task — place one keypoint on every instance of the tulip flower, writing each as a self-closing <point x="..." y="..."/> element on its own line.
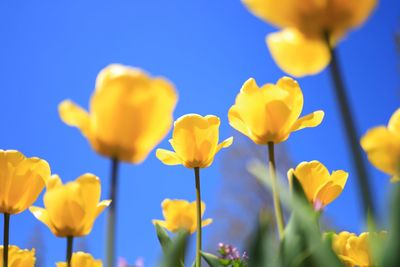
<point x="195" y="141"/>
<point x="320" y="187"/>
<point x="268" y="115"/>
<point x="22" y="180"/>
<point x="382" y="145"/>
<point x="130" y="113"/>
<point x="354" y="250"/>
<point x="300" y="48"/>
<point x="81" y="259"/>
<point x="181" y="215"/>
<point x="71" y="208"/>
<point x="271" y="113"/>
<point x="19" y="257"/>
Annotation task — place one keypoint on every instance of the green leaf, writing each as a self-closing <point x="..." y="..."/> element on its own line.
<point x="163" y="237"/>
<point x="391" y="255"/>
<point x="261" y="248"/>
<point x="211" y="259"/>
<point x="174" y="254"/>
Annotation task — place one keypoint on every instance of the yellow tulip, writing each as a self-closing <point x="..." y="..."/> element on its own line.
<point x="382" y="145"/>
<point x="130" y="113"/>
<point x="195" y="141"/>
<point x="71" y="209"/>
<point x="81" y="259"/>
<point x="320" y="187"/>
<point x="300" y="49"/>
<point x="271" y="113"/>
<point x="22" y="179"/>
<point x="18" y="257"/>
<point x="354" y="250"/>
<point x="181" y="215"/>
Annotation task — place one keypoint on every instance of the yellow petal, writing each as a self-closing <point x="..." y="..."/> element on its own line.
<point x="383" y="149"/>
<point x="99" y="209"/>
<point x="312" y="175"/>
<point x="43" y="216"/>
<point x="334" y="188"/>
<point x="206" y="222"/>
<point x="297" y="54"/>
<point x="226" y="143"/>
<point x="168" y="157"/>
<point x="237" y="123"/>
<point x="102" y="206"/>
<point x="294" y="99"/>
<point x="89" y="191"/>
<point x="53" y="182"/>
<point x="311" y="120"/>
<point x="74" y="115"/>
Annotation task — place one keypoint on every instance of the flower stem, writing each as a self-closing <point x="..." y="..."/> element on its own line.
<point x="275" y="193"/>
<point x="198" y="206"/>
<point x="6" y="238"/>
<point x="351" y="132"/>
<point x="70" y="244"/>
<point x="111" y="219"/>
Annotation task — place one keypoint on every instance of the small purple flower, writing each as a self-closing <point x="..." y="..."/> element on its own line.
<point x="229" y="252"/>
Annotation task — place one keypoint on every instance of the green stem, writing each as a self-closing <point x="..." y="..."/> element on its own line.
<point x="111" y="219"/>
<point x="275" y="192"/>
<point x="198" y="206"/>
<point x="351" y="133"/>
<point x="70" y="244"/>
<point x="6" y="237"/>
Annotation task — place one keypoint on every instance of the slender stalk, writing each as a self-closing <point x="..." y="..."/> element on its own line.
<point x="198" y="206"/>
<point x="70" y="244"/>
<point x="351" y="133"/>
<point x="275" y="193"/>
<point x="111" y="219"/>
<point x="6" y="238"/>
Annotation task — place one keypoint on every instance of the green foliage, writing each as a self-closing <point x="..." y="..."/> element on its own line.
<point x="212" y="260"/>
<point x="174" y="250"/>
<point x="391" y="255"/>
<point x="163" y="237"/>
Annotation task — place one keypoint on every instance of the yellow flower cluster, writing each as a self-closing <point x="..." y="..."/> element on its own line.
<point x="71" y="209"/>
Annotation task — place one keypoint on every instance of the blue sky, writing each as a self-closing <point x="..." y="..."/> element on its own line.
<point x="54" y="50"/>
